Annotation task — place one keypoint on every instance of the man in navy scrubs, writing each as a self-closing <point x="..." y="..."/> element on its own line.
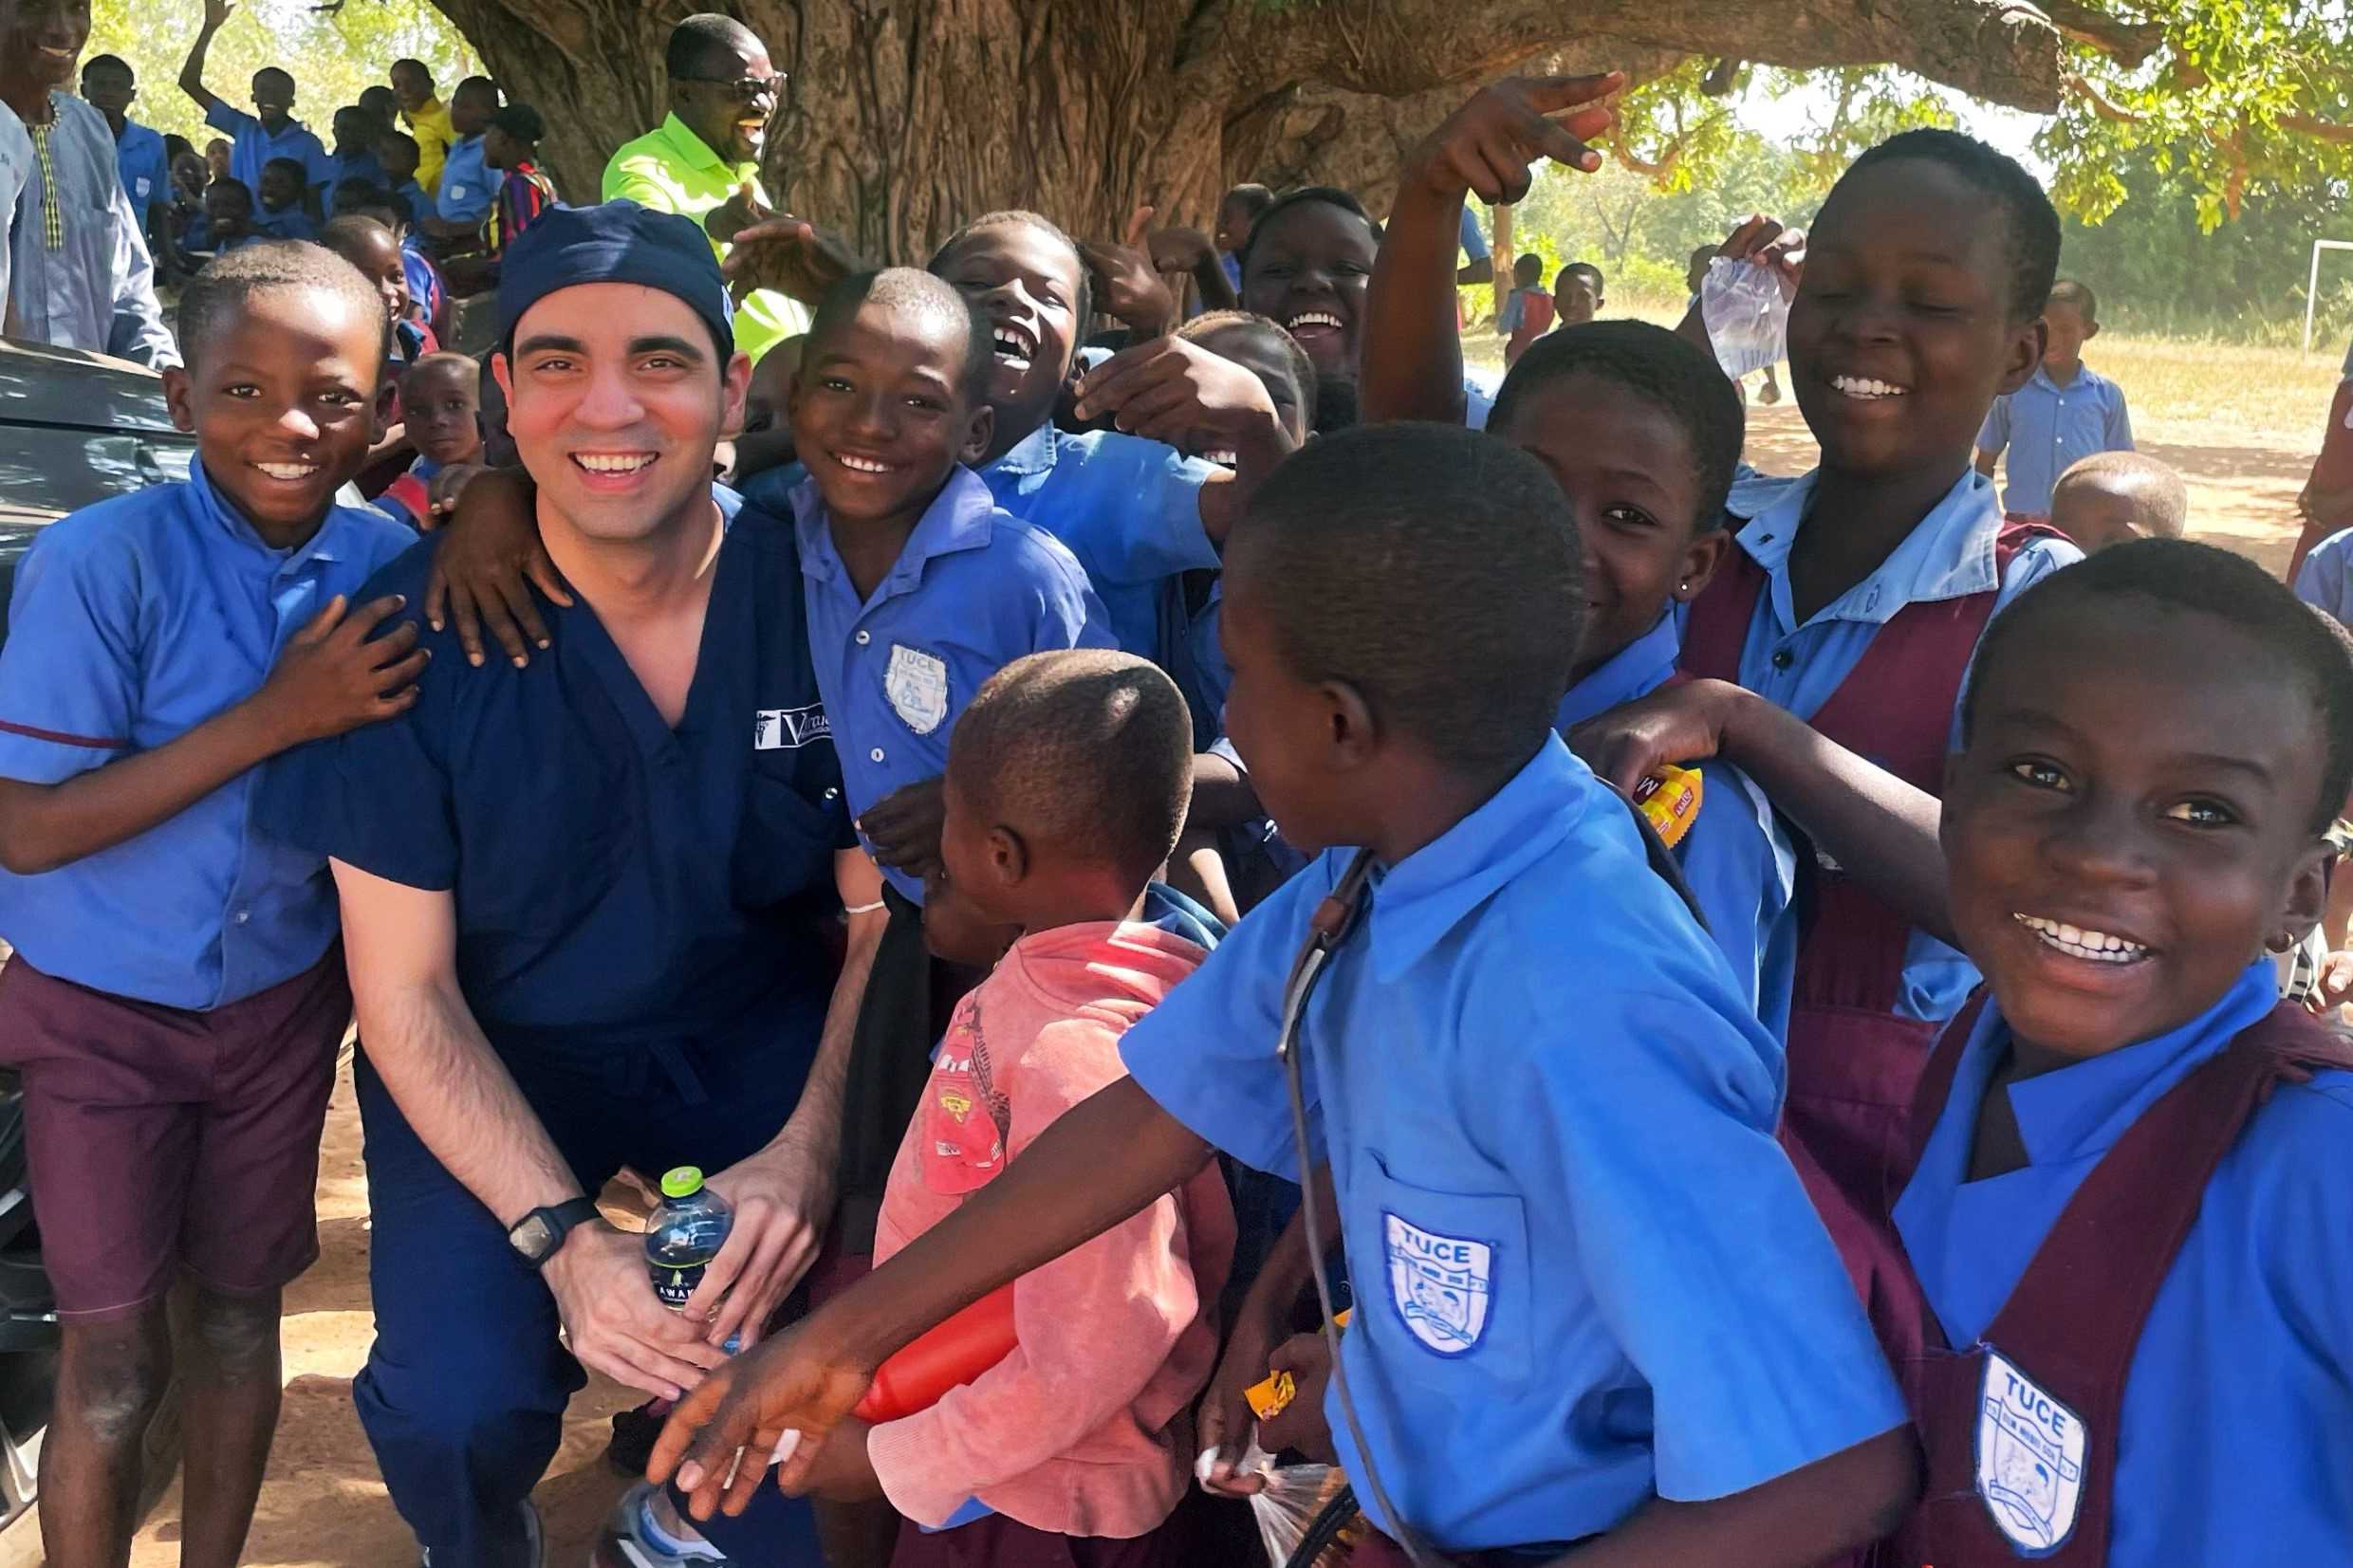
<point x="583" y="903"/>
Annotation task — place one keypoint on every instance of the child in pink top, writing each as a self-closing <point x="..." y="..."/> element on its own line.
<point x="1067" y="781"/>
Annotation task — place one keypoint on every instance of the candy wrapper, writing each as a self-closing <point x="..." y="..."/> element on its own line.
<point x="1748" y="320"/>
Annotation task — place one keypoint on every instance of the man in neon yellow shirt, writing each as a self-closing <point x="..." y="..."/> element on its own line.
<point x="722" y="91"/>
<point x="428" y="119"/>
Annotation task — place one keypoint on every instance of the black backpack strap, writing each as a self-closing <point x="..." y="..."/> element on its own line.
<point x="1662" y="861"/>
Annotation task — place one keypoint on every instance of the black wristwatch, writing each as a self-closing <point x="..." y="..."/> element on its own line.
<point x="539" y="1234"/>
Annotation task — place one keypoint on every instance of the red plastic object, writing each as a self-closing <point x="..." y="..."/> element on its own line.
<point x="947" y="1356"/>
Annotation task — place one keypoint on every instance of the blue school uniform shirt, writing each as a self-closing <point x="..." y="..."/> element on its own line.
<point x="251" y="148"/>
<point x="1737" y="860"/>
<point x="134" y="621"/>
<point x="2048" y="428"/>
<point x="409" y="199"/>
<point x="2323" y="580"/>
<point x="287" y="223"/>
<point x="1550" y="1127"/>
<point x="2230" y="1446"/>
<point x="973" y="589"/>
<point x="144" y="167"/>
<point x="343" y="166"/>
<point x="1948" y="555"/>
<point x="466" y="189"/>
<point x="1130" y="509"/>
<point x="627" y="891"/>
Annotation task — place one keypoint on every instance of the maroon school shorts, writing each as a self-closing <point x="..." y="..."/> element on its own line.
<point x="164" y="1140"/>
<point x="996" y="1541"/>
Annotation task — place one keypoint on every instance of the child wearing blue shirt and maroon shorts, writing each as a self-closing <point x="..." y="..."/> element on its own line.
<point x="177" y="992"/>
<point x="1594" y="1304"/>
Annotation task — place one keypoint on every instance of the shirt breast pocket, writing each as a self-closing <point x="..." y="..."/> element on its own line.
<point x="1455" y="1272"/>
<point x="785" y="842"/>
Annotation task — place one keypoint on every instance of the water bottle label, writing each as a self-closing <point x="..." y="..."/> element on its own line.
<point x="676" y="1285"/>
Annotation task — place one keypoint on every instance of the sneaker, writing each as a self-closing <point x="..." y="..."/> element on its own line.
<point x="634" y="1537"/>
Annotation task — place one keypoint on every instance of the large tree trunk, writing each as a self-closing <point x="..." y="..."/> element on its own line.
<point x="905" y="117"/>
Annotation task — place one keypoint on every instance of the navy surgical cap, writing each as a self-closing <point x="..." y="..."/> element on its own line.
<point x="617" y="242"/>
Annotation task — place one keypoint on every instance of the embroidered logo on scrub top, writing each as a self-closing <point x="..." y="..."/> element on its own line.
<point x="790" y="729"/>
<point x="2030" y="1458"/>
<point x="917" y="683"/>
<point x="1440" y="1285"/>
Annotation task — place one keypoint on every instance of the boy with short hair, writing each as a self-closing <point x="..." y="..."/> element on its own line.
<point x="1067" y="785"/>
<point x="271" y="132"/>
<point x="353" y="157"/>
<point x="1577" y="293"/>
<point x="403" y="169"/>
<point x="1528" y="315"/>
<point x="2113" y="497"/>
<point x="282" y="216"/>
<point x="441" y="408"/>
<point x="2067" y="410"/>
<point x="178" y="993"/>
<point x="1406" y="706"/>
<point x="226" y="221"/>
<point x="1243" y="205"/>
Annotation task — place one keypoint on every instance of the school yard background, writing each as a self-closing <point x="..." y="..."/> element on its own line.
<point x="2242" y="424"/>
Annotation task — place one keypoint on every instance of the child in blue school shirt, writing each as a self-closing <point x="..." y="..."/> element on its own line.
<point x="1592" y="1298"/>
<point x="177" y="995"/>
<point x="919" y="589"/>
<point x="2066" y="413"/>
<point x="2123" y="884"/>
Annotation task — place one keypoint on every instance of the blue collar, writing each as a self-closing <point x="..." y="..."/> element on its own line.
<point x="1637" y="670"/>
<point x="1033" y="453"/>
<point x="961" y="517"/>
<point x="1949" y="554"/>
<point x="221" y="512"/>
<point x="2087" y="380"/>
<point x="2079" y="1111"/>
<point x="1417" y="901"/>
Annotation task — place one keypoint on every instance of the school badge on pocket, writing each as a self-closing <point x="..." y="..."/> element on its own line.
<point x="2030" y="1458"/>
<point x="1440" y="1285"/>
<point x="917" y="683"/>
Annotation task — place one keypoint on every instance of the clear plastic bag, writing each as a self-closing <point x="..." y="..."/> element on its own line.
<point x="1747" y="317"/>
<point x="1295" y="1497"/>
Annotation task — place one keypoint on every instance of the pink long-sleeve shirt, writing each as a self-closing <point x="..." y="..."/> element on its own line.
<point x="1085" y="1429"/>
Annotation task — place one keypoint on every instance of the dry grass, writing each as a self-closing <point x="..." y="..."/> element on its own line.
<point x="2217" y="393"/>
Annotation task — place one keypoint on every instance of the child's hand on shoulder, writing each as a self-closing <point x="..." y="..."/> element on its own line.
<point x="1128" y="285"/>
<point x="842" y="1470"/>
<point x="488" y="561"/>
<point x="1491" y="144"/>
<point x="335" y="674"/>
<point x="1675" y="726"/>
<point x="1177" y="392"/>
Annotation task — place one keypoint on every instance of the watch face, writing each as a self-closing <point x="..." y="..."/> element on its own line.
<point x="532" y="1236"/>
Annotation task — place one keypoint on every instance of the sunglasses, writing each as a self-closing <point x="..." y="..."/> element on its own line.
<point x="745" y="89"/>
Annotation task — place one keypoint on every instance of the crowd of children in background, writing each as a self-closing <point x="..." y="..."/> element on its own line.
<point x="1918" y="1145"/>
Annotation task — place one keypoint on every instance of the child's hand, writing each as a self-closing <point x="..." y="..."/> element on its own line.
<point x="904" y="826"/>
<point x="842" y="1470"/>
<point x="1226" y="1417"/>
<point x="489" y="560"/>
<point x="1677" y="725"/>
<point x="216" y="13"/>
<point x="1489" y="146"/>
<point x="1128" y="286"/>
<point x="443" y="491"/>
<point x="331" y="678"/>
<point x="1299" y="1427"/>
<point x="735" y="214"/>
<point x="1173" y="391"/>
<point x="1185" y="251"/>
<point x="790" y="255"/>
<point x="1765" y="242"/>
<point x="2333" y="985"/>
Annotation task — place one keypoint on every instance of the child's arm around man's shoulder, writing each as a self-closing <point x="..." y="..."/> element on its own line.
<point x="82" y="626"/>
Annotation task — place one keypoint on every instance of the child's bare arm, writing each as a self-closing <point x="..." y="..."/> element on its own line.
<point x="191" y="72"/>
<point x="1222" y="796"/>
<point x="1128" y="288"/>
<point x="1879" y="829"/>
<point x="329" y="679"/>
<point x="1413" y="357"/>
<point x="1114" y="1154"/>
<point x="1809" y="1516"/>
<point x="488" y="561"/>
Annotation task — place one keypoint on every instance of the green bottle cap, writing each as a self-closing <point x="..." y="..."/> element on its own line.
<point x="684" y="1182"/>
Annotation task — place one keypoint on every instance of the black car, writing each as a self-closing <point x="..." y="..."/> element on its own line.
<point x="75" y="429"/>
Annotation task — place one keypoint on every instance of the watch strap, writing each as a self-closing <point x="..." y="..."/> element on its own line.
<point x="561" y="1220"/>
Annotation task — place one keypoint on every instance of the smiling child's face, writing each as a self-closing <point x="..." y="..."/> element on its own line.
<point x="1025" y="282"/>
<point x="1308" y="271"/>
<point x="281" y="188"/>
<point x="2131" y="821"/>
<point x="283" y="403"/>
<point x="1901" y="333"/>
<point x="879" y="413"/>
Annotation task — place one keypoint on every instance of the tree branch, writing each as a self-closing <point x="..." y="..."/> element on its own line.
<point x="2127" y="43"/>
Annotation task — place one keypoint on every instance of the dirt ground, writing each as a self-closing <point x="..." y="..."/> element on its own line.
<point x="323" y="1505"/>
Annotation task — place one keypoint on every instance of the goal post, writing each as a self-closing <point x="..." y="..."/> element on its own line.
<point x="2312" y="284"/>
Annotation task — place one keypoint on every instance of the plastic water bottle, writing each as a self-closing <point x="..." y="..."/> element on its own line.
<point x="686" y="1233"/>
